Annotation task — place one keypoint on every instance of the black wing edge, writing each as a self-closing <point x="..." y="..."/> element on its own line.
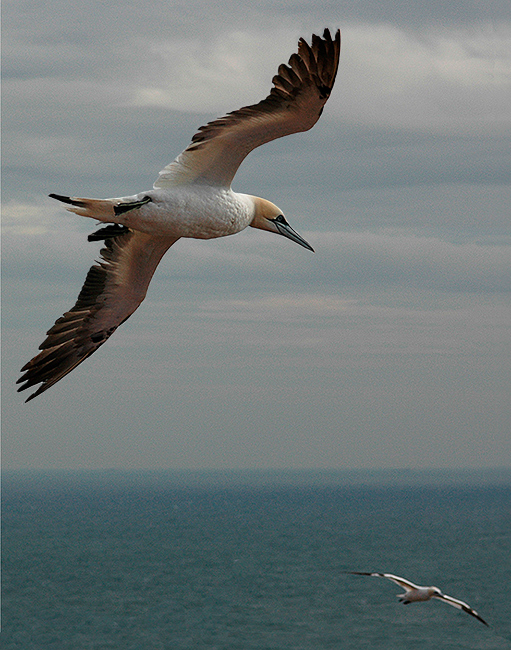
<point x="59" y="355"/>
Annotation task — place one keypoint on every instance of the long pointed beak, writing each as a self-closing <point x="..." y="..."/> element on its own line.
<point x="285" y="229"/>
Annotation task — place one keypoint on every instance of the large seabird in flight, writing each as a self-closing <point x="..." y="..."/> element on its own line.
<point x="415" y="593"/>
<point x="192" y="197"/>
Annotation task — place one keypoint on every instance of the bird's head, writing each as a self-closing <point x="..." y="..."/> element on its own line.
<point x="436" y="591"/>
<point x="267" y="216"/>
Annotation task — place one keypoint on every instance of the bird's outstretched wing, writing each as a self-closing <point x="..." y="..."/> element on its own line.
<point x="112" y="291"/>
<point x="459" y="604"/>
<point x="300" y="90"/>
<point x="406" y="584"/>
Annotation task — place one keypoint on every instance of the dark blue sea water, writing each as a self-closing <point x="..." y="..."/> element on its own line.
<point x="156" y="561"/>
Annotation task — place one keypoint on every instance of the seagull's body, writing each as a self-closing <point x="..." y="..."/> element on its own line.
<point x="192" y="197"/>
<point x="416" y="594"/>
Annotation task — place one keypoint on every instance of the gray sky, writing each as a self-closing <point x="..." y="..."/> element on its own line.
<point x="389" y="347"/>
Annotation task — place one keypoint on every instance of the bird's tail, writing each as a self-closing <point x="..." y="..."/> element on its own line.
<point x="100" y="209"/>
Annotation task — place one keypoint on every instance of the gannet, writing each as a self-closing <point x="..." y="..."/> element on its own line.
<point x="414" y="593"/>
<point x="192" y="197"/>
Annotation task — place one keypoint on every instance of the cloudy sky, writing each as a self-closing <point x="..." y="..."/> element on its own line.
<point x="388" y="347"/>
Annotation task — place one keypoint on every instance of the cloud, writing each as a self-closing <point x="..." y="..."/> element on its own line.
<point x="344" y="260"/>
<point x="372" y="259"/>
<point x="426" y="78"/>
<point x="222" y="74"/>
<point x="411" y="106"/>
<point x="27" y="219"/>
<point x="456" y="80"/>
<point x="442" y="80"/>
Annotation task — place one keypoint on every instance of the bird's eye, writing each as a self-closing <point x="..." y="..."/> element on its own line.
<point x="280" y="219"/>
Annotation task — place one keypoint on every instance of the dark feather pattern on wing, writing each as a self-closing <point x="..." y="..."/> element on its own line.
<point x="295" y="103"/>
<point x="112" y="291"/>
<point x="112" y="230"/>
<point x="313" y="65"/>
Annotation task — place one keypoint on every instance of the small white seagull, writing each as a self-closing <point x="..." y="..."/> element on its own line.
<point x="415" y="593"/>
<point x="192" y="197"/>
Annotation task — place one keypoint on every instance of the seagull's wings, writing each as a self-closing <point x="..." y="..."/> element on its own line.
<point x="112" y="291"/>
<point x="459" y="604"/>
<point x="406" y="584"/>
<point x="300" y="90"/>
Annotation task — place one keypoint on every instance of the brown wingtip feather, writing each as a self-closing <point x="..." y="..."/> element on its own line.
<point x="322" y="57"/>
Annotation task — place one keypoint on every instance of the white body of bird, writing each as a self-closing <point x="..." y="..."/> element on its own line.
<point x="201" y="213"/>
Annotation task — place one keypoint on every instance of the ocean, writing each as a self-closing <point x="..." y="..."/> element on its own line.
<point x="253" y="561"/>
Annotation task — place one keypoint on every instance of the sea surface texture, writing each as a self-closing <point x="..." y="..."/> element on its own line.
<point x="248" y="561"/>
